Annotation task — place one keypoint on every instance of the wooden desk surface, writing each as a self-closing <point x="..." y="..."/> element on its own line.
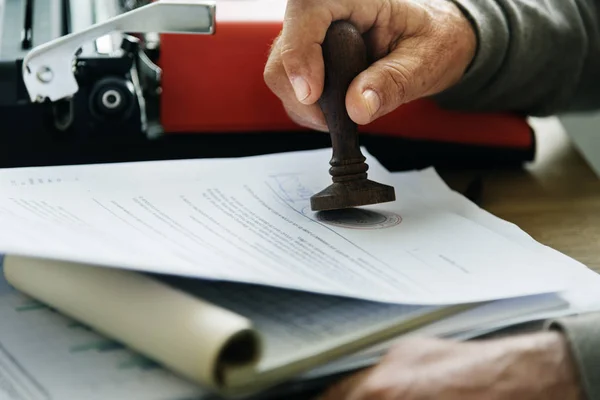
<point x="555" y="199"/>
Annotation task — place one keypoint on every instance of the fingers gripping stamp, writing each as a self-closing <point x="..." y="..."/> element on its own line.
<point x="345" y="56"/>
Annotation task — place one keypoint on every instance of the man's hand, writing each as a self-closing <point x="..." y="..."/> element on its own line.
<point x="536" y="366"/>
<point x="418" y="48"/>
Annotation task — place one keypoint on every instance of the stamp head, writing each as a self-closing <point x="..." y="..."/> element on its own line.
<point x="340" y="195"/>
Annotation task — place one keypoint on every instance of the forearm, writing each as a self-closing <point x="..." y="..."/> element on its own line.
<point x="583" y="336"/>
<point x="536" y="57"/>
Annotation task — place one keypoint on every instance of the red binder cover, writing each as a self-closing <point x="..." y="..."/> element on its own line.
<point x="214" y="84"/>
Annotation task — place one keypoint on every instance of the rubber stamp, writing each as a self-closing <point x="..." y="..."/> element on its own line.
<point x="345" y="56"/>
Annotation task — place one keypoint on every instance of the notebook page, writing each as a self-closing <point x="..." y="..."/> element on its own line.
<point x="46" y="356"/>
<point x="295" y="323"/>
<point x="259" y="229"/>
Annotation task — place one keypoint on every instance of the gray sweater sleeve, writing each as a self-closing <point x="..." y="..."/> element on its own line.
<point x="583" y="335"/>
<point x="535" y="57"/>
<point x="538" y="57"/>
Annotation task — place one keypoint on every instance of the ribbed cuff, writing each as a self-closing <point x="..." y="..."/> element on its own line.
<point x="583" y="335"/>
<point x="493" y="39"/>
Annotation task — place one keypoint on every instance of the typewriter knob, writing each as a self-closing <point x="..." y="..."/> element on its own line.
<point x="112" y="99"/>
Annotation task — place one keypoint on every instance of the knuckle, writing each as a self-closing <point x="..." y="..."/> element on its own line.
<point x="299" y="8"/>
<point x="270" y="76"/>
<point x="275" y="43"/>
<point x="291" y="57"/>
<point x="297" y="50"/>
<point x="300" y="59"/>
<point x="397" y="77"/>
<point x="377" y="389"/>
<point x="273" y="80"/>
<point x="289" y="52"/>
<point x="273" y="69"/>
<point x="276" y="79"/>
<point x="390" y="383"/>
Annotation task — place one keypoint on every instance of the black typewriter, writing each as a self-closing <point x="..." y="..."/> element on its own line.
<point x="113" y="115"/>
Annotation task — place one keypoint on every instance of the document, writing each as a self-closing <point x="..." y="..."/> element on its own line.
<point x="159" y="173"/>
<point x="251" y="222"/>
<point x="583" y="294"/>
<point x="44" y="355"/>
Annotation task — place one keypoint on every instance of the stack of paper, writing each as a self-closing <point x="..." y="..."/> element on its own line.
<point x="247" y="222"/>
<point x="582" y="297"/>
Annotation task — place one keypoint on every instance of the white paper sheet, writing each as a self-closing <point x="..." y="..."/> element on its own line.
<point x="237" y="224"/>
<point x="584" y="292"/>
<point x="188" y="171"/>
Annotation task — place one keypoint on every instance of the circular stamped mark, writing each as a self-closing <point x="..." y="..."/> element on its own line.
<point x="358" y="218"/>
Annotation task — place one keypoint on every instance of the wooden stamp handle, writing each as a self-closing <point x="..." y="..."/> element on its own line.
<point x="345" y="56"/>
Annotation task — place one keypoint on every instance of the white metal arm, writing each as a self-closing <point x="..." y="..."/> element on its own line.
<point x="48" y="69"/>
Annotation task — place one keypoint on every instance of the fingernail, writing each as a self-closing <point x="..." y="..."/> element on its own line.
<point x="372" y="101"/>
<point x="301" y="88"/>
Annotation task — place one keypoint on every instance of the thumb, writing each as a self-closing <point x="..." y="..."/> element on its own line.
<point x="403" y="75"/>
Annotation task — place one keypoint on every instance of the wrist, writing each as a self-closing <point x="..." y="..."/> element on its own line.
<point x="454" y="35"/>
<point x="492" y="42"/>
<point x="467" y="42"/>
<point x="550" y="366"/>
